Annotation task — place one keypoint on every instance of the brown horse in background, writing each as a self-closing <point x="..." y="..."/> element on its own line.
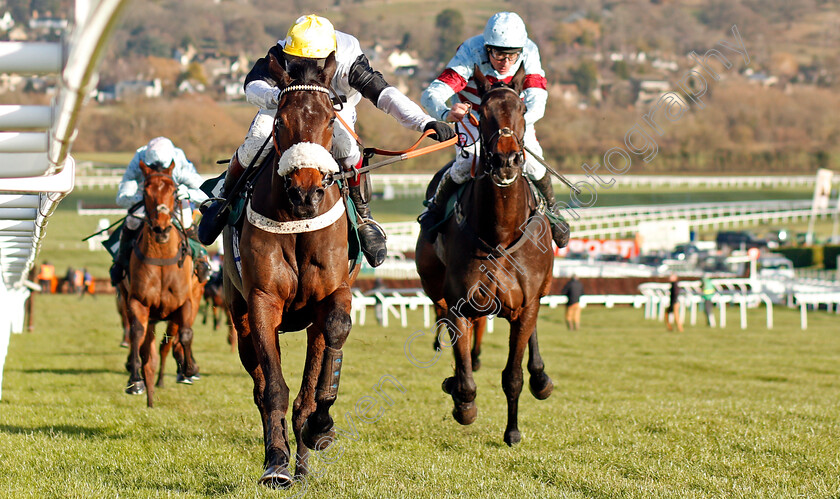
<point x="494" y="257"/>
<point x="161" y="285"/>
<point x="293" y="280"/>
<point x="214" y="305"/>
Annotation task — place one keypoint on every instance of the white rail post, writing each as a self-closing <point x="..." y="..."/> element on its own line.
<point x="803" y="316"/>
<point x="743" y="312"/>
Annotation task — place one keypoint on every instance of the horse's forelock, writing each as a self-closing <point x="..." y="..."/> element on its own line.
<point x="305" y="72"/>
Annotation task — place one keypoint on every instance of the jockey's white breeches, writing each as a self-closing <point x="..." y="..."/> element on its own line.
<point x="460" y="171"/>
<point x="184" y="212"/>
<point x="345" y="150"/>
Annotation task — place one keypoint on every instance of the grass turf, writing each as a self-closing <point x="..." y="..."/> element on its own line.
<point x="636" y="412"/>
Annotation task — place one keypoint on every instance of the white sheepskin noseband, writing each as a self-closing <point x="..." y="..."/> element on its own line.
<point x="306" y="155"/>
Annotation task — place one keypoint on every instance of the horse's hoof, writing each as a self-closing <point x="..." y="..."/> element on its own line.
<point x="125" y="344"/>
<point x="136" y="387"/>
<point x="448" y="385"/>
<point x="317" y="439"/>
<point x="465" y="413"/>
<point x="512" y="437"/>
<point x="301" y="472"/>
<point x="195" y="377"/>
<point x="541" y="386"/>
<point x="184" y="380"/>
<point x="476" y="364"/>
<point x="277" y="477"/>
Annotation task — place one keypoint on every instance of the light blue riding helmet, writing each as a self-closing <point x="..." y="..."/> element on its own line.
<point x="505" y="30"/>
<point x="160" y="153"/>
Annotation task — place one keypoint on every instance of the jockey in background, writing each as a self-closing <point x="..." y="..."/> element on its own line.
<point x="158" y="154"/>
<point x="313" y="37"/>
<point x="498" y="53"/>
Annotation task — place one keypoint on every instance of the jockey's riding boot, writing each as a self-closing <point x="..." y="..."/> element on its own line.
<point x="120" y="266"/>
<point x="436" y="207"/>
<point x="212" y="221"/>
<point x="371" y="235"/>
<point x="559" y="229"/>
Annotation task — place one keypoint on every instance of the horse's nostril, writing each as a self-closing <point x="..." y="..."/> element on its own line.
<point x="295" y="195"/>
<point x="318" y="195"/>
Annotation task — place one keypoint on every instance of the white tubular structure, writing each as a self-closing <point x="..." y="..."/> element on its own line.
<point x="36" y="169"/>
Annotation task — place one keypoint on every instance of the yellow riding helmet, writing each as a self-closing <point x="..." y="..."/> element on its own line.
<point x="311" y="36"/>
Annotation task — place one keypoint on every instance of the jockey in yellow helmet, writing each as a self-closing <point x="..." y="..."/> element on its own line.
<point x="313" y="37"/>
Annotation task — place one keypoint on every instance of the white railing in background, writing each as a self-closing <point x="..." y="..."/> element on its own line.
<point x="610" y="222"/>
<point x="414" y="184"/>
<point x="36" y="169"/>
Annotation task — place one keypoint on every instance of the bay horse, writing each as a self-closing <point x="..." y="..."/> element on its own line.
<point x="161" y="285"/>
<point x="294" y="270"/>
<point x="494" y="257"/>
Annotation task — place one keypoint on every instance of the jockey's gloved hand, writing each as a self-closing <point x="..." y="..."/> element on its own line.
<point x="443" y="131"/>
<point x="183" y="192"/>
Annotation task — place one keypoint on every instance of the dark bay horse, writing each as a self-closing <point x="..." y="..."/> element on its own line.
<point x="494" y="257"/>
<point x="161" y="286"/>
<point x="294" y="271"/>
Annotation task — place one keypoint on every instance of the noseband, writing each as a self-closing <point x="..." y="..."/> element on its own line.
<point x="160" y="208"/>
<point x="488" y="152"/>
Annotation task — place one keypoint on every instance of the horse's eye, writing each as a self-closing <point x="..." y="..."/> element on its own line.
<point x="332" y="121"/>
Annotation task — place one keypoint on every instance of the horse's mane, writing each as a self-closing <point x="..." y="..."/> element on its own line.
<point x="305" y="72"/>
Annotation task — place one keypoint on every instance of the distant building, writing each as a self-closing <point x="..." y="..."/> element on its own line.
<point x="402" y="63"/>
<point x="763" y="79"/>
<point x="184" y="56"/>
<point x="650" y="90"/>
<point x="566" y="92"/>
<point x="190" y="87"/>
<point x="138" y="88"/>
<point x="664" y="65"/>
<point x="234" y="89"/>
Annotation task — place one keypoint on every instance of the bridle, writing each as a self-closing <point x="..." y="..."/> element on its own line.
<point x="327" y="180"/>
<point x="489" y="144"/>
<point x="162" y="208"/>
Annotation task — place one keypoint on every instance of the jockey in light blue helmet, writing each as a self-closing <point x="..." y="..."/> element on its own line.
<point x="159" y="154"/>
<point x="498" y="52"/>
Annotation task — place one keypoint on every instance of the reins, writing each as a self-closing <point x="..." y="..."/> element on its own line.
<point x="463" y="223"/>
<point x="411" y="152"/>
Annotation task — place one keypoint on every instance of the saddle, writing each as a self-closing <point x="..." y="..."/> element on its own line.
<point x="454" y="207"/>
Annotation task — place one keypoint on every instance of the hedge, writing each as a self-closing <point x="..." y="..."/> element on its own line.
<point x="801" y="257"/>
<point x="830" y="254"/>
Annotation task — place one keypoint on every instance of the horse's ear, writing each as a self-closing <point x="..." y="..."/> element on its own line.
<point x="481" y="83"/>
<point x="145" y="169"/>
<point x="329" y="69"/>
<point x="518" y="80"/>
<point x="277" y="73"/>
<point x="168" y="169"/>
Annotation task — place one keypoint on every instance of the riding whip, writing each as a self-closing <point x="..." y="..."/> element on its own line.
<point x="551" y="170"/>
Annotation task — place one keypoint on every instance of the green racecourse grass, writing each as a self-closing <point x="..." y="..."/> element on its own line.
<point x="636" y="412"/>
